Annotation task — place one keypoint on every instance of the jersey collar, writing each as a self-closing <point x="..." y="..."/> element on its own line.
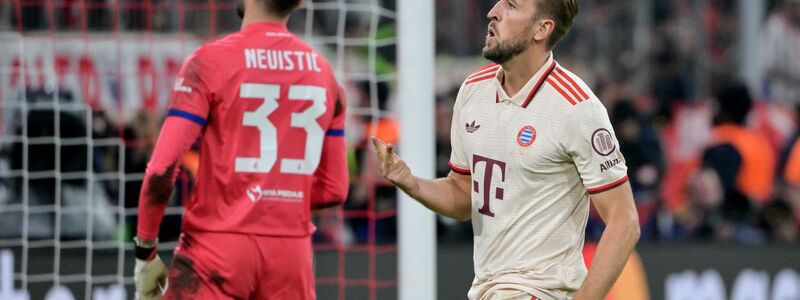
<point x="267" y="27"/>
<point x="525" y="96"/>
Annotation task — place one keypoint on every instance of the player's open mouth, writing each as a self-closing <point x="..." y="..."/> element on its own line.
<point x="490" y="32"/>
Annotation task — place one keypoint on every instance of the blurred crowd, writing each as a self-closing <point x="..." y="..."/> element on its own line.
<point x="710" y="155"/>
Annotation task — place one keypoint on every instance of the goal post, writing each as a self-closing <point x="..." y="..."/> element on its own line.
<point x="416" y="69"/>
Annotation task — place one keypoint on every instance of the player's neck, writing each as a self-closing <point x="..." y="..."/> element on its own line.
<point x="256" y="17"/>
<point x="519" y="70"/>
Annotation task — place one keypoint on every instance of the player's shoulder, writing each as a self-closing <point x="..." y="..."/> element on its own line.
<point x="207" y="55"/>
<point x="220" y="48"/>
<point x="213" y="61"/>
<point x="483" y="74"/>
<point x="569" y="90"/>
<point x="477" y="83"/>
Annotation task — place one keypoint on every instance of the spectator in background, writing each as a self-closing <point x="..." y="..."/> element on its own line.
<point x="71" y="192"/>
<point x="448" y="229"/>
<point x="380" y="197"/>
<point x="781" y="54"/>
<point x="639" y="144"/>
<point x="642" y="151"/>
<point x="644" y="157"/>
<point x="736" y="176"/>
<point x="783" y="217"/>
<point x="640" y="147"/>
<point x="669" y="84"/>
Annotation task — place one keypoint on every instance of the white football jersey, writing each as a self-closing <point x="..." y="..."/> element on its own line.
<point x="534" y="158"/>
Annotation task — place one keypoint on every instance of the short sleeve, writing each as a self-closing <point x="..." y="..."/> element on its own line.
<point x="458" y="157"/>
<point x="190" y="94"/>
<point x="591" y="143"/>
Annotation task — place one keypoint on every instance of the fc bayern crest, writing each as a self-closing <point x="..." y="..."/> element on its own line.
<point x="526" y="136"/>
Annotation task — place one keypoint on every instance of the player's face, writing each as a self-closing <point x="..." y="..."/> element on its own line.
<point x="510" y="29"/>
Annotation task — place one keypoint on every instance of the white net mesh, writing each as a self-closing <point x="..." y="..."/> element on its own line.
<point x="83" y="86"/>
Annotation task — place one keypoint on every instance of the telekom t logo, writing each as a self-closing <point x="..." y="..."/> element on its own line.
<point x="487" y="181"/>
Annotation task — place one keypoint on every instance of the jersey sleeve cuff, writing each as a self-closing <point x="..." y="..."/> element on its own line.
<point x="458" y="170"/>
<point x="609" y="186"/>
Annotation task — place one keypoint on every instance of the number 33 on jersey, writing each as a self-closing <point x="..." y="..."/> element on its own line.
<point x="307" y="120"/>
<point x="273" y="126"/>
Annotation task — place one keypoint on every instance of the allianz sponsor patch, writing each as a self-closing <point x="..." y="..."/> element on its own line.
<point x="603" y="142"/>
<point x="609" y="164"/>
<point x="526" y="136"/>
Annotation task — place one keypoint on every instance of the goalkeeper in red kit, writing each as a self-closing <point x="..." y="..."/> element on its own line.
<point x="270" y="117"/>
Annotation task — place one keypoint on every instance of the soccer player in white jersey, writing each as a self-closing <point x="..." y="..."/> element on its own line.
<point x="531" y="146"/>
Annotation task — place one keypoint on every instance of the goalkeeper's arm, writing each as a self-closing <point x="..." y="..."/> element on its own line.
<point x="177" y="136"/>
<point x="331" y="180"/>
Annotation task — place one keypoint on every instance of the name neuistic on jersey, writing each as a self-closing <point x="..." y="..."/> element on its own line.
<point x="281" y="60"/>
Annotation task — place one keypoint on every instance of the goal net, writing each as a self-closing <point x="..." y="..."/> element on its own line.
<point x="83" y="88"/>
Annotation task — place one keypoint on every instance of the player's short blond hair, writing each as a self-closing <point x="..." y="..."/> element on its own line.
<point x="562" y="12"/>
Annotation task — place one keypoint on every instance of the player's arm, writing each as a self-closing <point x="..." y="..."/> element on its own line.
<point x="588" y="138"/>
<point x="188" y="111"/>
<point x="617" y="209"/>
<point x="187" y="115"/>
<point x="449" y="196"/>
<point x="331" y="180"/>
<point x="175" y="139"/>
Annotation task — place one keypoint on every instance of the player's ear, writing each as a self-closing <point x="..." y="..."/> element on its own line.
<point x="542" y="29"/>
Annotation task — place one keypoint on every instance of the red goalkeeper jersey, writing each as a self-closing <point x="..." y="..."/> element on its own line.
<point x="271" y="119"/>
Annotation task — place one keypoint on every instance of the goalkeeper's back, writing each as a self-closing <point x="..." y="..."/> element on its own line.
<point x="271" y="146"/>
<point x="270" y="119"/>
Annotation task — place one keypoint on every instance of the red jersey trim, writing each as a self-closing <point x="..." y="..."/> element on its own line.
<point x="486" y="70"/>
<point x="572" y="92"/>
<point x="483" y="70"/>
<point x="560" y="91"/>
<point x="538" y="85"/>
<point x="490" y="71"/>
<point x="609" y="186"/>
<point x="458" y="170"/>
<point x="477" y="79"/>
<point x="574" y="84"/>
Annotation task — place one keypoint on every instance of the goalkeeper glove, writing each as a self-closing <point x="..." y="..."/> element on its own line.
<point x="150" y="273"/>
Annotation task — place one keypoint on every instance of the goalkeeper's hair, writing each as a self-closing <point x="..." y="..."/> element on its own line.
<point x="280" y="8"/>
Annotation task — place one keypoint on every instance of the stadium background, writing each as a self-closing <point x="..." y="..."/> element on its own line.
<point x="84" y="84"/>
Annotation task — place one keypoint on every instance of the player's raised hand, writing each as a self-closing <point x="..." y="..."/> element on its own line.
<point x="392" y="167"/>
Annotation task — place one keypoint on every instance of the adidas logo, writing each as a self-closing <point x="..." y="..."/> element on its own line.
<point x="471" y="128"/>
